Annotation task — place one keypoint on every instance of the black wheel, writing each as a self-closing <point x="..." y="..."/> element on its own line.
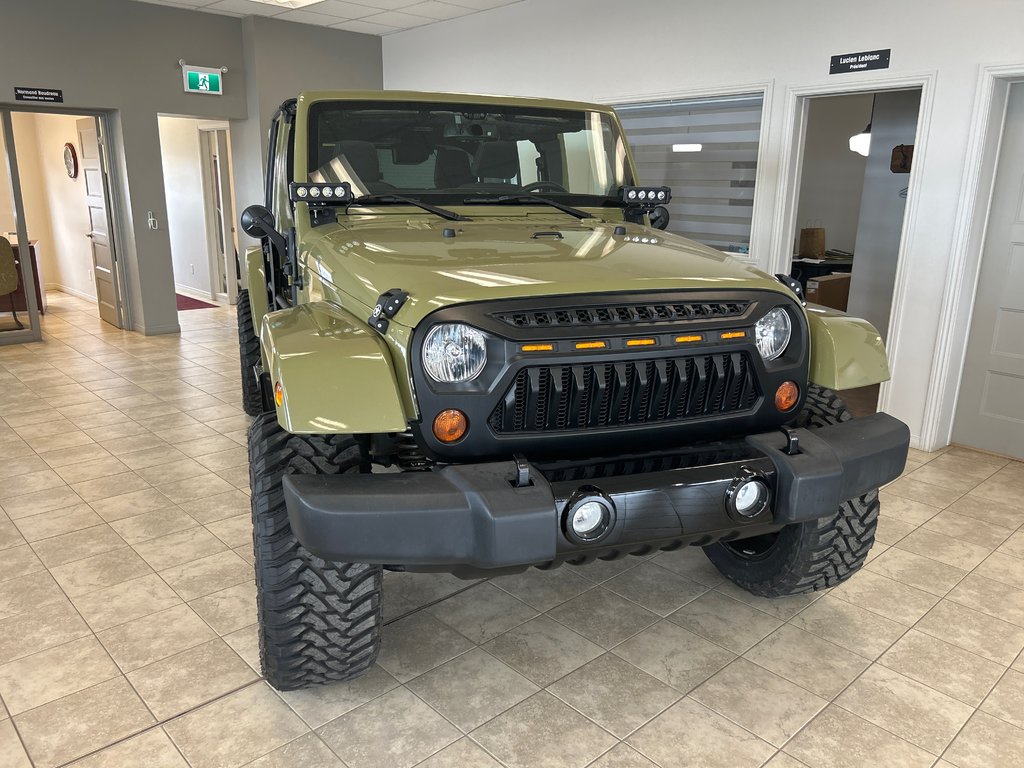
<point x="816" y="554"/>
<point x="319" y="621"/>
<point x="249" y="346"/>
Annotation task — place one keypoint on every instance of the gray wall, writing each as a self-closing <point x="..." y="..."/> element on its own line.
<point x="832" y="177"/>
<point x="883" y="202"/>
<point x="122" y="57"/>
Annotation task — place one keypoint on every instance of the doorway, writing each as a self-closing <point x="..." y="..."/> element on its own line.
<point x="989" y="413"/>
<point x="196" y="158"/>
<point x="854" y="171"/>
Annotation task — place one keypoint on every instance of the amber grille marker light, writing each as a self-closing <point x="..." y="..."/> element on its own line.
<point x="786" y="396"/>
<point x="278" y="394"/>
<point x="641" y="342"/>
<point x="538" y="347"/>
<point x="450" y="425"/>
<point x="688" y="339"/>
<point x="591" y="344"/>
<point x="734" y="334"/>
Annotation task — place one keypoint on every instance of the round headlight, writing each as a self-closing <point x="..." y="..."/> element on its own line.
<point x="772" y="333"/>
<point x="454" y="352"/>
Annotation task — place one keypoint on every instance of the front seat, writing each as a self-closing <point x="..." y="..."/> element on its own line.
<point x="452" y="168"/>
<point x="497" y="162"/>
<point x="361" y="158"/>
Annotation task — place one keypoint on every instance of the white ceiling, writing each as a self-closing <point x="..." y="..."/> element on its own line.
<point x="374" y="17"/>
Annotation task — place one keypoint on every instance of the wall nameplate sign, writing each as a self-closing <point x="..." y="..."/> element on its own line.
<point x="859" y="62"/>
<point x="50" y="95"/>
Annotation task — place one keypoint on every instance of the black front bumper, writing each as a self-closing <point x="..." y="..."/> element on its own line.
<point x="472" y="517"/>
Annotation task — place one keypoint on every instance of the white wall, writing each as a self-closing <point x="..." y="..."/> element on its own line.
<point x="180" y="154"/>
<point x="832" y="177"/>
<point x="600" y="50"/>
<point x="881" y="209"/>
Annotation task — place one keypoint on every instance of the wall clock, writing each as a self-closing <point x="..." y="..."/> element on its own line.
<point x="71" y="160"/>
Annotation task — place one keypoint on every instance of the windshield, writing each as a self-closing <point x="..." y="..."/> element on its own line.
<point x="452" y="152"/>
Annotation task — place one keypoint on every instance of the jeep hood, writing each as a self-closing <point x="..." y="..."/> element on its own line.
<point x="524" y="256"/>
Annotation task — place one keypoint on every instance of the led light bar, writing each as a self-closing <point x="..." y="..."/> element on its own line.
<point x="646" y="197"/>
<point x="320" y="194"/>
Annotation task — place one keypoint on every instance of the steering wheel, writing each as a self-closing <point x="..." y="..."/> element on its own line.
<point x="538" y="185"/>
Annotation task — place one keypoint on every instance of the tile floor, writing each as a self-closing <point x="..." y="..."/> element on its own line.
<point x="127" y="609"/>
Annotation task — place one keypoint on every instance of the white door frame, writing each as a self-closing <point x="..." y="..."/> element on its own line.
<point x="983" y="143"/>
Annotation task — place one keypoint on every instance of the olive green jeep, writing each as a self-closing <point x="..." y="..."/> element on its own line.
<point x="470" y="347"/>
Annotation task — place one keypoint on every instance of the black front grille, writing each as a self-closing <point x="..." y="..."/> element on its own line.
<point x="621" y="314"/>
<point x="625" y="393"/>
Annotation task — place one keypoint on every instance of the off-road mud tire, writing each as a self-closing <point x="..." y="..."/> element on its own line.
<point x="249" y="347"/>
<point x="319" y="621"/>
<point x="808" y="556"/>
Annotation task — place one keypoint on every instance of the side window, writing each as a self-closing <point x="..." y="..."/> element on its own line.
<point x="279" y="171"/>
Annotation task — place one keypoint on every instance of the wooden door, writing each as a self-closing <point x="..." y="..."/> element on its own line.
<point x="990" y="411"/>
<point x="104" y="262"/>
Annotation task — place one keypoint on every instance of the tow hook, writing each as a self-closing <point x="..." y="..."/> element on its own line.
<point x="792" y="441"/>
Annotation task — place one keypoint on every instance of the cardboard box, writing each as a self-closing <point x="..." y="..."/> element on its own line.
<point x="830" y="290"/>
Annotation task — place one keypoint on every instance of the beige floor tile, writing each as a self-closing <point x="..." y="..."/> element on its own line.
<point x="945" y="667"/>
<point x="955" y="552"/>
<point x="151" y="749"/>
<point x="151" y="457"/>
<point x="910" y="710"/>
<point x="1006" y="701"/>
<point x="79" y="472"/>
<point x="892" y="530"/>
<point x="12" y="753"/>
<point x="782" y="760"/>
<point x="21" y="466"/>
<point x="152" y="525"/>
<point x="396" y="730"/>
<point x="154" y="637"/>
<point x="968" y="529"/>
<point x="472" y="688"/>
<point x="110" y="486"/>
<point x="957" y="473"/>
<point x="178" y="683"/>
<point x="783" y="608"/>
<point x="235" y="729"/>
<point x="171" y="471"/>
<point x="207" y="575"/>
<point x="482" y="613"/>
<point x="992" y="597"/>
<point x="461" y="754"/>
<point x="725" y="621"/>
<point x="622" y="756"/>
<point x="246" y="643"/>
<point x="906" y="510"/>
<point x="229" y="609"/>
<point x="100" y="571"/>
<point x="232" y="456"/>
<point x="764" y="703"/>
<point x="807" y="660"/>
<point x="233" y="531"/>
<point x="1014" y="545"/>
<point x="35" y="631"/>
<point x="541" y="649"/>
<point x="177" y="548"/>
<point x="418" y="643"/>
<point x="33" y="592"/>
<point x="989" y="511"/>
<point x="543" y="590"/>
<point x="849" y="626"/>
<point x="603" y="617"/>
<point x="1004" y="487"/>
<point x="57" y="522"/>
<point x="32" y="482"/>
<point x="674" y="655"/>
<point x="679" y="738"/>
<point x="10" y="536"/>
<point x="692" y="563"/>
<point x="837" y="737"/>
<point x="133" y="443"/>
<point x="981" y="634"/>
<point x="655" y="588"/>
<point x="926" y="493"/>
<point x="535" y="729"/>
<point x="886" y="597"/>
<point x="83" y="722"/>
<point x="32" y="681"/>
<point x="1004" y="569"/>
<point x="986" y="742"/>
<point x="130" y="504"/>
<point x="218" y="506"/>
<point x="320" y="704"/>
<point x="124" y="602"/>
<point x="916" y="571"/>
<point x="39" y="502"/>
<point x="307" y="751"/>
<point x="78" y="545"/>
<point x="195" y="488"/>
<point x="19" y="561"/>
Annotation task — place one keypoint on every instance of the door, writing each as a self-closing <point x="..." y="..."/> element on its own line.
<point x="104" y="264"/>
<point x="990" y="411"/>
<point x="19" y="280"/>
<point x="216" y="174"/>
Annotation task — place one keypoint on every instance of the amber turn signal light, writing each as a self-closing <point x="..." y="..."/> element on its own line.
<point x="450" y="425"/>
<point x="786" y="396"/>
<point x="278" y="394"/>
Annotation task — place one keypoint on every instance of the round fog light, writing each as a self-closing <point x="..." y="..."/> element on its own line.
<point x="587" y="518"/>
<point x="588" y="515"/>
<point x="747" y="496"/>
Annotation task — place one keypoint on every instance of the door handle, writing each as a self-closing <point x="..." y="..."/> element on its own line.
<point x="103" y="269"/>
<point x="90" y="235"/>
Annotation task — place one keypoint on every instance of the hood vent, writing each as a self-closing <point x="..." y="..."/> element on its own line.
<point x="620" y="314"/>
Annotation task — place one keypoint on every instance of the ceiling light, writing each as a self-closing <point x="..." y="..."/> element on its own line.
<point x="687" y="147"/>
<point x="287" y="3"/>
<point x="861" y="143"/>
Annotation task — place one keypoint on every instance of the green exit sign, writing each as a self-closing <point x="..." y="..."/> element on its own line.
<point x="203" y="80"/>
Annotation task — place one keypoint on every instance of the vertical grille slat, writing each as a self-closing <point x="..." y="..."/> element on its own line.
<point x="623" y="393"/>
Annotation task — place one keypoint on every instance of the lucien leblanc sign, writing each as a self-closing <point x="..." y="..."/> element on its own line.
<point x="858" y="62"/>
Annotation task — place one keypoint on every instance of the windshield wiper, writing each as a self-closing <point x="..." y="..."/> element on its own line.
<point x="444" y="213"/>
<point x="530" y="199"/>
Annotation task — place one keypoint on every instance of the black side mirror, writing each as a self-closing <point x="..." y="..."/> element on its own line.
<point x="258" y="221"/>
<point x="659" y="217"/>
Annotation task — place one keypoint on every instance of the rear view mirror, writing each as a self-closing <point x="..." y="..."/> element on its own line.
<point x="257" y="221"/>
<point x="659" y="217"/>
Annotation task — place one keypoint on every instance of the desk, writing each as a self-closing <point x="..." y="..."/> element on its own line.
<point x="19" y="297"/>
<point x="804" y="270"/>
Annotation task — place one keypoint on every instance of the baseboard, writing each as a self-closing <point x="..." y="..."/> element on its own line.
<point x="157" y="330"/>
<point x="70" y="291"/>
<point x="194" y="293"/>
